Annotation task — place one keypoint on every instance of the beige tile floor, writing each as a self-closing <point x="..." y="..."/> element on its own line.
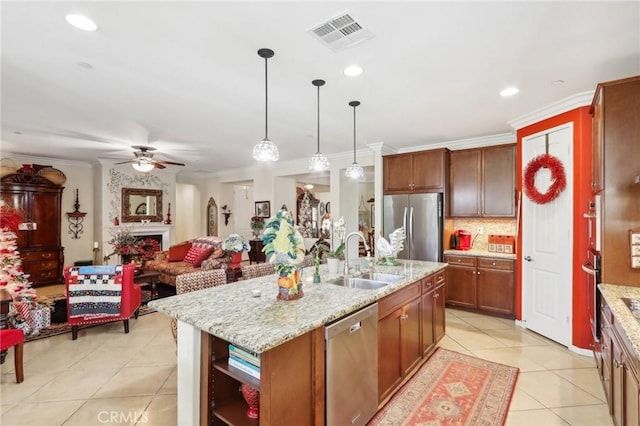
<point x="107" y="377"/>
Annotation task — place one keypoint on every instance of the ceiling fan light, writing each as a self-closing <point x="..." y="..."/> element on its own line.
<point x="355" y="171"/>
<point x="142" y="166"/>
<point x="81" y="22"/>
<point x="266" y="150"/>
<point x="318" y="162"/>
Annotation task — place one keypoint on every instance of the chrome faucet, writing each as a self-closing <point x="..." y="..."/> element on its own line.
<point x="346" y="250"/>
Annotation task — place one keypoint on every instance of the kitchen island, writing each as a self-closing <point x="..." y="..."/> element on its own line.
<point x="287" y="336"/>
<point x="617" y="353"/>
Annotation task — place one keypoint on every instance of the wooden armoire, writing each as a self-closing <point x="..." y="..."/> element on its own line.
<point x="39" y="240"/>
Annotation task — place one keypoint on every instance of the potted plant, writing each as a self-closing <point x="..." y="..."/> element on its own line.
<point x="257" y="225"/>
<point x="337" y="230"/>
<point x="235" y="245"/>
<point x="284" y="248"/>
<point x="131" y="248"/>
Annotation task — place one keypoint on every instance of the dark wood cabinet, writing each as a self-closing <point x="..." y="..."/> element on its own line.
<point x="39" y="243"/>
<point x="423" y="171"/>
<point x="616" y="160"/>
<point x="433" y="327"/>
<point x="496" y="285"/>
<point x="255" y="254"/>
<point x="461" y="281"/>
<point x="483" y="182"/>
<point x="618" y="370"/>
<point x="399" y="347"/>
<point x="410" y="324"/>
<point x="483" y="284"/>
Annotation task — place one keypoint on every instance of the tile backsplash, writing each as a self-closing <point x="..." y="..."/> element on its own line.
<point x="489" y="226"/>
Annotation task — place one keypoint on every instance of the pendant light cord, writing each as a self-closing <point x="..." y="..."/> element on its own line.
<point x="266" y="101"/>
<point x="318" y="119"/>
<point x="354" y="133"/>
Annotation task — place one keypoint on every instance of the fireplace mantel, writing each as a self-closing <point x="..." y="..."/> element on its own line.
<point x="141" y="229"/>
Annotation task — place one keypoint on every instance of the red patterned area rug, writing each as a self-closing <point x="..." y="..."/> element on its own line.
<point x="452" y="389"/>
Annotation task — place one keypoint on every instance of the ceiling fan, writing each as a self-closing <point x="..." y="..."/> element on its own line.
<point x="144" y="161"/>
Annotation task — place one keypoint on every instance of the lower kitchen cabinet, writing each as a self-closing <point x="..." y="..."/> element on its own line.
<point x="398" y="337"/>
<point x="433" y="327"/>
<point x="482" y="284"/>
<point x="461" y="281"/>
<point x="619" y="371"/>
<point x="410" y="324"/>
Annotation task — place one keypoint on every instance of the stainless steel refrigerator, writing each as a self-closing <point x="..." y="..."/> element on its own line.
<point x="422" y="218"/>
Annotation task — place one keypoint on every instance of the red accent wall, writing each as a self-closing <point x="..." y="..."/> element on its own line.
<point x="581" y="196"/>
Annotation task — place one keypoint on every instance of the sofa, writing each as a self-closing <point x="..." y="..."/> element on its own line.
<point x="198" y="254"/>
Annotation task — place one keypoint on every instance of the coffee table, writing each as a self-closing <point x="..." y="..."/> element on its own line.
<point x="148" y="277"/>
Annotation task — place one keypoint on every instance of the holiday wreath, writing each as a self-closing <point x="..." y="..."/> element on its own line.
<point x="559" y="180"/>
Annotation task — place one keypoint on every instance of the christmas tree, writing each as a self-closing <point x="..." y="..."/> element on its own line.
<point x="12" y="277"/>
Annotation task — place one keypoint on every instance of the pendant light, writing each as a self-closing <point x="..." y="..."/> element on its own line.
<point x="265" y="150"/>
<point x="318" y="161"/>
<point x="355" y="170"/>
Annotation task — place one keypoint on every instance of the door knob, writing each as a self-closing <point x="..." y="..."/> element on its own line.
<point x="528" y="258"/>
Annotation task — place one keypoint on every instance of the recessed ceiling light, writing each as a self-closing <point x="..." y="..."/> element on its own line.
<point x="81" y="22"/>
<point x="509" y="91"/>
<point x="353" y="71"/>
<point x="558" y="82"/>
<point x="308" y="187"/>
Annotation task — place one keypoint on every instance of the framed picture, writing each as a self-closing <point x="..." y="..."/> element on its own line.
<point x="263" y="209"/>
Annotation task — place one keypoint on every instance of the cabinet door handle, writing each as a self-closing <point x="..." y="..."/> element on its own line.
<point x="404" y="316"/>
<point x="528" y="258"/>
<point x="617" y="363"/>
<point x="478" y="272"/>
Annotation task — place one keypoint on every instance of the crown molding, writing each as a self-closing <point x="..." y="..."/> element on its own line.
<point x="567" y="104"/>
<point x="32" y="159"/>
<point x="478" y="142"/>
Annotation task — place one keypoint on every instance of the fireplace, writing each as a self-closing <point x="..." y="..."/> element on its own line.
<point x="161" y="233"/>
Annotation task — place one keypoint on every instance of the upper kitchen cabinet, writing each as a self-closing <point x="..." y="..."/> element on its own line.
<point x="483" y="182"/>
<point x="423" y="171"/>
<point x="616" y="162"/>
<point x="616" y="125"/>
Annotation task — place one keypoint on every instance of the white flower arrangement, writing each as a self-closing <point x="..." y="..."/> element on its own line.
<point x="234" y="243"/>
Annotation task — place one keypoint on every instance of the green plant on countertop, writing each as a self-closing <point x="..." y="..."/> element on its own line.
<point x="284" y="246"/>
<point x="335" y="254"/>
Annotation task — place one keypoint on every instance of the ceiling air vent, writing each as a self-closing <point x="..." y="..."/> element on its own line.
<point x="341" y="32"/>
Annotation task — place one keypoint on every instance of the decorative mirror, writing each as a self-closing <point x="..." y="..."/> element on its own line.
<point x="141" y="204"/>
<point x="212" y="218"/>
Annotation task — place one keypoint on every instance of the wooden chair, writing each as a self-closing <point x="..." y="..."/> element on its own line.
<point x="89" y="286"/>
<point x="14" y="337"/>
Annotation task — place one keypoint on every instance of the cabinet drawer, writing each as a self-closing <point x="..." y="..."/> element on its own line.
<point x="397" y="299"/>
<point x="45" y="265"/>
<point x="432" y="281"/>
<point x="49" y="275"/>
<point x="460" y="260"/>
<point x="34" y="256"/>
<point x="493" y="263"/>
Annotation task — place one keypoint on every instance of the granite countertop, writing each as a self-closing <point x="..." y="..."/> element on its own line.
<point x="230" y="312"/>
<point x="481" y="253"/>
<point x="613" y="294"/>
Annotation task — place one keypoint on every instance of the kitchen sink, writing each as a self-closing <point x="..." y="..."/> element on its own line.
<point x="357" y="282"/>
<point x="379" y="276"/>
<point x="634" y="306"/>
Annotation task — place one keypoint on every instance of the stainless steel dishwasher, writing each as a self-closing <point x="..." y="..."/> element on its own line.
<point x="351" y="345"/>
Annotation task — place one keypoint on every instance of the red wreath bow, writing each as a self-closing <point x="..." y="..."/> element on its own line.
<point x="557" y="175"/>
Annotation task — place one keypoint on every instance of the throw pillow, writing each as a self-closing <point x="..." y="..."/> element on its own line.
<point x="196" y="255"/>
<point x="178" y="252"/>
